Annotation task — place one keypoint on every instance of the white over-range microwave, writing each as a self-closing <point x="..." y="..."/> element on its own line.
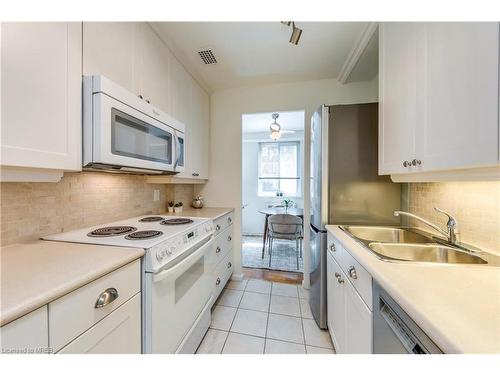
<point x="124" y="133"/>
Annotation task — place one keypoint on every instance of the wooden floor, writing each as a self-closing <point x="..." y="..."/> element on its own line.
<point x="276" y="276"/>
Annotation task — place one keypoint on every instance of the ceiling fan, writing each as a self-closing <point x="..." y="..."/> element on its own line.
<point x="275" y="128"/>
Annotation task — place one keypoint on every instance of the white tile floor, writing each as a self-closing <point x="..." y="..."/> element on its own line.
<point x="256" y="316"/>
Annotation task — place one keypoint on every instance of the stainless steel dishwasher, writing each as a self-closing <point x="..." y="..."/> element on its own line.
<point x="394" y="332"/>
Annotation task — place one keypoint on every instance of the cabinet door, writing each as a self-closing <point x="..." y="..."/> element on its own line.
<point x="358" y="323"/>
<point x="461" y="96"/>
<point x="336" y="305"/>
<point x="197" y="135"/>
<point x="108" y="50"/>
<point x="41" y="95"/>
<point x="28" y="334"/>
<point x="180" y="90"/>
<point x="397" y="95"/>
<point x="152" y="67"/>
<point x="118" y="333"/>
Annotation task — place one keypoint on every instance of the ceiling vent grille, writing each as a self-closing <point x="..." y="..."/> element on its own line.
<point x="208" y="56"/>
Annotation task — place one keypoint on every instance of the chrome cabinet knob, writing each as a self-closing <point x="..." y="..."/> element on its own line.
<point x="416" y="162"/>
<point x="218" y="281"/>
<point x="352" y="272"/>
<point x="407" y="164"/>
<point x="332" y="247"/>
<point x="229" y="238"/>
<point x="337" y="275"/>
<point x="217" y="227"/>
<point x="229" y="265"/>
<point x="340" y="280"/>
<point x="217" y="251"/>
<point x="195" y="174"/>
<point x="229" y="220"/>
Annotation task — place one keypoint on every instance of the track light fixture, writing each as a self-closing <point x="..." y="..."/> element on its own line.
<point x="296" y="32"/>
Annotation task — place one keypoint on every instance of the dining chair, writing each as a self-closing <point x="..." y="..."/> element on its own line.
<point x="285" y="227"/>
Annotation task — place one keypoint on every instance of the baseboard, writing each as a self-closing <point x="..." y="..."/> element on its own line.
<point x="237" y="276"/>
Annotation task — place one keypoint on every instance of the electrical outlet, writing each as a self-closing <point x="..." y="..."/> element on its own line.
<point x="156" y="194"/>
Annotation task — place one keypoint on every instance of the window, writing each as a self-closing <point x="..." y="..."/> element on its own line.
<point x="279" y="169"/>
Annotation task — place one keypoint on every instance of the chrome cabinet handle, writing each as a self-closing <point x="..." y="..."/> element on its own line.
<point x="407" y="164"/>
<point x="140" y="96"/>
<point x="147" y="101"/>
<point x="229" y="238"/>
<point x="195" y="174"/>
<point x="353" y="273"/>
<point x="218" y="281"/>
<point x="106" y="297"/>
<point x="416" y="162"/>
<point x="337" y="275"/>
<point x="340" y="280"/>
<point x="229" y="265"/>
<point x="217" y="251"/>
<point x="217" y="227"/>
<point x="332" y="247"/>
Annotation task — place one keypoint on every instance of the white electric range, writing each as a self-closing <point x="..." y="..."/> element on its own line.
<point x="176" y="285"/>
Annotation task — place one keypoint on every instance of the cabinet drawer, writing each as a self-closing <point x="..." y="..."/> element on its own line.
<point x="118" y="333"/>
<point x="358" y="276"/>
<point x="27" y="334"/>
<point x="334" y="247"/>
<point x="223" y="222"/>
<point x="223" y="244"/>
<point x="222" y="273"/>
<point x="71" y="315"/>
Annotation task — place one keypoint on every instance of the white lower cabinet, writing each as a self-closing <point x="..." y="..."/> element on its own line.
<point x="335" y="303"/>
<point x="26" y="335"/>
<point x="223" y="259"/>
<point x="101" y="317"/>
<point x="118" y="333"/>
<point x="349" y="318"/>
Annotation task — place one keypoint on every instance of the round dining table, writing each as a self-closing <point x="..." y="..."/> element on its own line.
<point x="277" y="211"/>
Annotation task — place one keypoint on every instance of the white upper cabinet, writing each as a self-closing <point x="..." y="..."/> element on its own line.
<point x="397" y="95"/>
<point x="41" y="71"/>
<point x="133" y="55"/>
<point x="197" y="134"/>
<point x="108" y="50"/>
<point x="438" y="97"/>
<point x="461" y="96"/>
<point x="153" y="61"/>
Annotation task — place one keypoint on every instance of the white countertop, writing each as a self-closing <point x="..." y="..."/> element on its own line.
<point x="36" y="273"/>
<point x="457" y="306"/>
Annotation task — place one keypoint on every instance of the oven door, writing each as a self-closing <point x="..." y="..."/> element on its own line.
<point x="125" y="137"/>
<point x="179" y="295"/>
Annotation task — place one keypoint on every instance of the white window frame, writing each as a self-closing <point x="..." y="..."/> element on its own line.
<point x="299" y="170"/>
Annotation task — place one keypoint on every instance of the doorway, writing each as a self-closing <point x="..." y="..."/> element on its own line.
<point x="273" y="183"/>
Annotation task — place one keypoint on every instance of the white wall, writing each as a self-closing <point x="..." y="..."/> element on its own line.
<point x="252" y="220"/>
<point x="223" y="188"/>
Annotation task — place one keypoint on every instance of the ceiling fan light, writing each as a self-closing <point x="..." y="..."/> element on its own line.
<point x="275" y="127"/>
<point x="275" y="135"/>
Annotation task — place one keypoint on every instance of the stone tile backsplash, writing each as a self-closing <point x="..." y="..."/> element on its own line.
<point x="476" y="206"/>
<point x="30" y="210"/>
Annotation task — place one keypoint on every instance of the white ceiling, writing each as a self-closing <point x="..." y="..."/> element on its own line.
<point x="251" y="53"/>
<point x="259" y="122"/>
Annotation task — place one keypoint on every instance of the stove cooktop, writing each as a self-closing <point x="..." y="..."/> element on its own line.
<point x="142" y="232"/>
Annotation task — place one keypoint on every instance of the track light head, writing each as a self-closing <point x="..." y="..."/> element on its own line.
<point x="296" y="33"/>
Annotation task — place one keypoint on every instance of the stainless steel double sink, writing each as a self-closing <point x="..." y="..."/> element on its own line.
<point x="403" y="244"/>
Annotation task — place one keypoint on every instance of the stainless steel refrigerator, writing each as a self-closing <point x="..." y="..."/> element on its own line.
<point x="345" y="185"/>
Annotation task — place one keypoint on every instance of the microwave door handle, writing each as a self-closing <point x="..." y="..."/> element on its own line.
<point x="176" y="138"/>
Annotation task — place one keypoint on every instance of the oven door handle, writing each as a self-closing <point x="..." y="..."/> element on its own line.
<point x="184" y="264"/>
